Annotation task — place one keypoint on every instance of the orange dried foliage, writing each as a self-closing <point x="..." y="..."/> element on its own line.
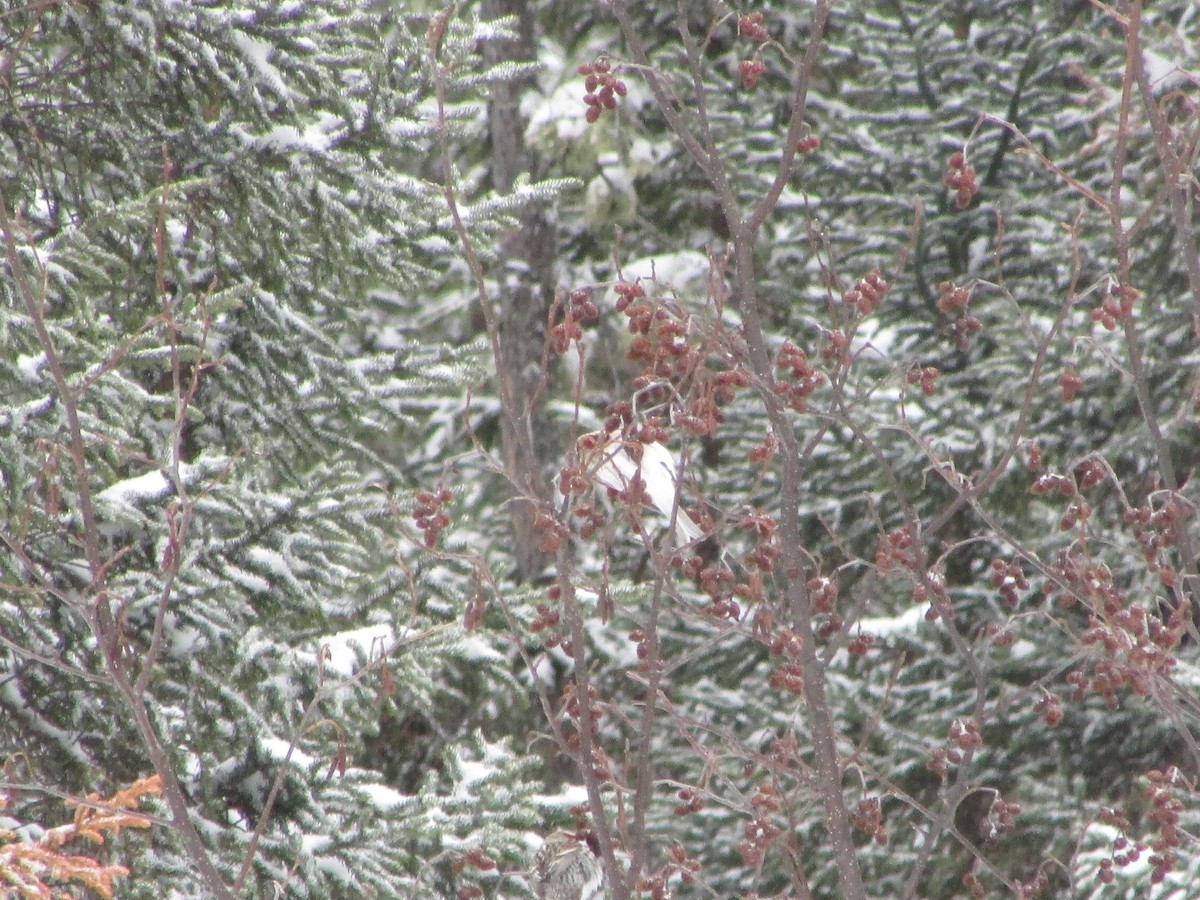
<point x="37" y="870"/>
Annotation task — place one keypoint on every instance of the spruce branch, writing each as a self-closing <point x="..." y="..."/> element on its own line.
<point x="101" y="618"/>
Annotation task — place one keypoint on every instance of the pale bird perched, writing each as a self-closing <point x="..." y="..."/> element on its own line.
<point x="615" y="462"/>
<point x="566" y="868"/>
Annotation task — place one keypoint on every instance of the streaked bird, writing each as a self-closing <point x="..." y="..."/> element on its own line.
<point x="566" y="868"/>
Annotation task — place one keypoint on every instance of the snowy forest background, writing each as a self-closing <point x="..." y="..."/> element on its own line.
<point x="321" y="322"/>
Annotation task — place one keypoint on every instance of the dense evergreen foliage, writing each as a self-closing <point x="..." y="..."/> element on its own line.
<point x="327" y="328"/>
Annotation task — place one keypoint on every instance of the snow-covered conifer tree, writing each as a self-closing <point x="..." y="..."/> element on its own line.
<point x="228" y="397"/>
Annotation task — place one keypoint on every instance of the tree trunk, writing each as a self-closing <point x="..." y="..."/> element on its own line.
<point x="526" y="291"/>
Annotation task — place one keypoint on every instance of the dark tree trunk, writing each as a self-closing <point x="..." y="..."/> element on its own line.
<point x="526" y="284"/>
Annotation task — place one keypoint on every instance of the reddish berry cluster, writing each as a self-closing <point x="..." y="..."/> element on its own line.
<point x="831" y="626"/>
<point x="786" y="643"/>
<point x="822" y="595"/>
<point x="765" y="451"/>
<point x="718" y="582"/>
<point x="703" y="413"/>
<point x="804" y="378"/>
<point x="964" y="734"/>
<point x="953" y="300"/>
<point x="633" y="497"/>
<point x="1090" y="473"/>
<point x="691" y="802"/>
<point x="1154" y="529"/>
<point x="1001" y="637"/>
<point x="809" y="144"/>
<point x="751" y="26"/>
<point x="1165" y="809"/>
<point x="939" y="762"/>
<point x="657" y="885"/>
<point x="1137" y="649"/>
<point x="547" y="618"/>
<point x="760" y="831"/>
<point x="784" y="753"/>
<point x="1035" y="885"/>
<point x="476" y="858"/>
<point x="573" y="477"/>
<point x="765" y="553"/>
<point x="1106" y="875"/>
<point x="1079" y="512"/>
<point x="593" y="519"/>
<point x="603" y="87"/>
<point x="1050" y="708"/>
<point x="651" y="431"/>
<point x="926" y="377"/>
<point x="665" y="344"/>
<point x="1034" y="456"/>
<point x="932" y="588"/>
<point x="660" y="339"/>
<point x="661" y="347"/>
<point x="837" y="345"/>
<point x="867" y="817"/>
<point x="867" y="294"/>
<point x="1078" y="578"/>
<point x="1000" y="820"/>
<point x="962" y="330"/>
<point x="963" y="737"/>
<point x="1125" y="852"/>
<point x="789" y="675"/>
<point x="428" y="514"/>
<point x="972" y="883"/>
<point x="550" y="532"/>
<point x="647" y="642"/>
<point x="1116" y="307"/>
<point x="751" y="70"/>
<point x="960" y="177"/>
<point x="1029" y="888"/>
<point x="627" y="293"/>
<point x="900" y="549"/>
<point x="1050" y="483"/>
<point x="952" y="297"/>
<point x="860" y="644"/>
<point x="579" y="308"/>
<point x="1070" y="383"/>
<point x="601" y="765"/>
<point x="1008" y="578"/>
<point x="685" y="865"/>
